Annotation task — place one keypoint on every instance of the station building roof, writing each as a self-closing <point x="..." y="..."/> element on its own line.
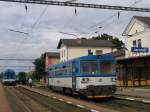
<point x="144" y="20"/>
<point x="51" y="54"/>
<point x="85" y="43"/>
<point x="134" y="58"/>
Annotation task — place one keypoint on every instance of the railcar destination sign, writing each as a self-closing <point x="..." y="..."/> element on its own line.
<point x="140" y="49"/>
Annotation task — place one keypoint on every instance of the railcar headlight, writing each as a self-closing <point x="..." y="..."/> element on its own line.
<point x="85" y="80"/>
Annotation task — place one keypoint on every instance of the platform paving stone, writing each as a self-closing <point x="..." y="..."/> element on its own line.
<point x="139" y="94"/>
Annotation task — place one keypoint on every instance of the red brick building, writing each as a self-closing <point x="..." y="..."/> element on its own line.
<point x="51" y="58"/>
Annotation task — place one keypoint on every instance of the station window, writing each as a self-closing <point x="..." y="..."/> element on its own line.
<point x="134" y="43"/>
<point x="139" y="43"/>
<point x="136" y="31"/>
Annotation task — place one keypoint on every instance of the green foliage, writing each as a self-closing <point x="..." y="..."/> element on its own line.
<point x="32" y="75"/>
<point x="103" y="37"/>
<point x="39" y="67"/>
<point x="118" y="43"/>
<point x="22" y="76"/>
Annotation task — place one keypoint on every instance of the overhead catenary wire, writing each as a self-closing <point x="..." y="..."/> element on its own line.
<point x="110" y="18"/>
<point x="34" y="25"/>
<point x="28" y="34"/>
<point x="113" y="15"/>
<point x="18" y="31"/>
<point x="32" y="28"/>
<point x="85" y="5"/>
<point x="38" y="19"/>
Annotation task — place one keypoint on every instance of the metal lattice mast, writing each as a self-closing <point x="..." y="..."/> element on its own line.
<point x="84" y="5"/>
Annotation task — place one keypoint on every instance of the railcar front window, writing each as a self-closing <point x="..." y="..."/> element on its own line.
<point x="88" y="67"/>
<point x="9" y="76"/>
<point x="94" y="68"/>
<point x="106" y="67"/>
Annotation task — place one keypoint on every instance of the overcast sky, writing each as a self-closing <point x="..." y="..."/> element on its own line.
<point x="43" y="24"/>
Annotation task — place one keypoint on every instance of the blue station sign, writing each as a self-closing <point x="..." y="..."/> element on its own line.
<point x="140" y="49"/>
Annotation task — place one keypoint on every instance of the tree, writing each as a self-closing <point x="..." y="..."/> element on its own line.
<point x="32" y="75"/>
<point x="22" y="77"/>
<point x="118" y="43"/>
<point x="39" y="67"/>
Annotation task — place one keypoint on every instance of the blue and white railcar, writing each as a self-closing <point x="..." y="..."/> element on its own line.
<point x="9" y="77"/>
<point x="91" y="76"/>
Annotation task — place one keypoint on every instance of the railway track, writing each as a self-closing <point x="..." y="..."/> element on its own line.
<point x="22" y="100"/>
<point x="115" y="103"/>
<point x="124" y="105"/>
<point x="55" y="102"/>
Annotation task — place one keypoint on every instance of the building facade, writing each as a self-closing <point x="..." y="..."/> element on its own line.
<point x="134" y="68"/>
<point x="73" y="48"/>
<point x="51" y="58"/>
<point x="137" y="35"/>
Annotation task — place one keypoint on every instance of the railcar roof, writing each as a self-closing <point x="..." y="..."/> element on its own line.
<point x="10" y="71"/>
<point x="90" y="57"/>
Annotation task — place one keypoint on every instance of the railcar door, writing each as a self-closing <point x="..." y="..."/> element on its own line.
<point x="74" y="70"/>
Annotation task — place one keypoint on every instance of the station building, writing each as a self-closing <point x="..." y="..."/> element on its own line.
<point x="133" y="69"/>
<point x="51" y="58"/>
<point x="73" y="48"/>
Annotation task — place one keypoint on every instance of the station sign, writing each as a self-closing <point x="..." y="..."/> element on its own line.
<point x="140" y="49"/>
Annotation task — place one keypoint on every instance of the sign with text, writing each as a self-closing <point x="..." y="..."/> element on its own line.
<point x="140" y="49"/>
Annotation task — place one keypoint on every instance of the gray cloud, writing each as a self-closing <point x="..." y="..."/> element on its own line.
<point x="45" y="36"/>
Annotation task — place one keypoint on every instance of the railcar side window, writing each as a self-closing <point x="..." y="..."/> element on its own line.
<point x="106" y="67"/>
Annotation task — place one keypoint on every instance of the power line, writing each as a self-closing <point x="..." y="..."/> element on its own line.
<point x="41" y="15"/>
<point x="32" y="28"/>
<point x="20" y="69"/>
<point x="24" y="66"/>
<point x="3" y="59"/>
<point x="84" y="5"/>
<point x="71" y="1"/>
<point x="110" y="17"/>
<point x="68" y="34"/>
<point x="18" y="31"/>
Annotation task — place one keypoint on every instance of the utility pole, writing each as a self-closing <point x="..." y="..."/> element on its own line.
<point x="84" y="5"/>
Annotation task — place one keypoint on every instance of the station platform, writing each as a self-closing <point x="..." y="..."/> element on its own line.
<point x="4" y="106"/>
<point x="135" y="92"/>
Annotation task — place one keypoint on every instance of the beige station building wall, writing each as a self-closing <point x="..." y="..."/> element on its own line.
<point x="137" y="31"/>
<point x="67" y="53"/>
